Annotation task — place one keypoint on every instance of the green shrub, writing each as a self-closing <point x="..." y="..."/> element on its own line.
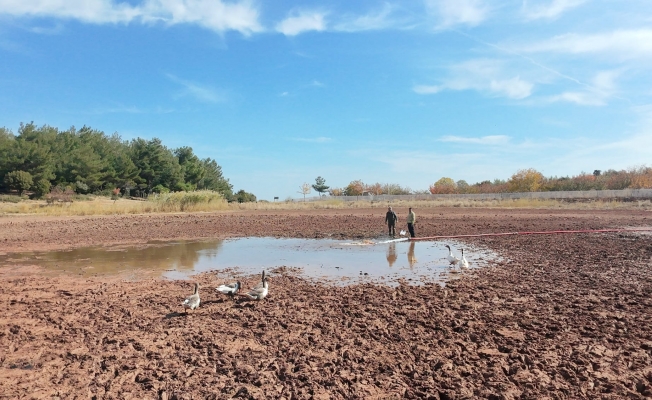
<point x="41" y="188"/>
<point x="19" y="180"/>
<point x="81" y="187"/>
<point x="245" y="197"/>
<point x="160" y="189"/>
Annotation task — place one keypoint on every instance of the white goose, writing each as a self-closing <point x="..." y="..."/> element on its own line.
<point x="192" y="302"/>
<point x="229" y="289"/>
<point x="452" y="259"/>
<point x="260" y="291"/>
<point x="463" y="263"/>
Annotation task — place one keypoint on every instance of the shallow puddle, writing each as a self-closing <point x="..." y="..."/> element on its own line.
<point x="323" y="259"/>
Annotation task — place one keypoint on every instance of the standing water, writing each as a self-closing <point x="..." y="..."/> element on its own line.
<point x="323" y="259"/>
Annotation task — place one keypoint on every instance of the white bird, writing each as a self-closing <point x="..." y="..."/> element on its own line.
<point x="402" y="233"/>
<point x="260" y="291"/>
<point x="452" y="259"/>
<point x="192" y="302"/>
<point x="229" y="289"/>
<point x="463" y="263"/>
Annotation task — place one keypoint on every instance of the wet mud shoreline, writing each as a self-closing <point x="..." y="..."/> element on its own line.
<point x="564" y="316"/>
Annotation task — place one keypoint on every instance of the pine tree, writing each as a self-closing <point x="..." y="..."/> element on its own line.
<point x="320" y="186"/>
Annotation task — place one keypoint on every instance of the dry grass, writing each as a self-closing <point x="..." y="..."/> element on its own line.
<point x="170" y="202"/>
<point x="331" y="203"/>
<point x="209" y="201"/>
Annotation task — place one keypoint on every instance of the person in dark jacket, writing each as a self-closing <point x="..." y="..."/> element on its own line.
<point x="390" y="220"/>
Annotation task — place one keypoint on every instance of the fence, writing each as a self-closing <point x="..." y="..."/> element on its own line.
<point x="625" y="194"/>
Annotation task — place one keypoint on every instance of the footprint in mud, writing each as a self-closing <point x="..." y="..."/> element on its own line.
<point x="174" y="314"/>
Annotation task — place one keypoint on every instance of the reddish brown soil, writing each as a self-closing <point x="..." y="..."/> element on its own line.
<point x="568" y="316"/>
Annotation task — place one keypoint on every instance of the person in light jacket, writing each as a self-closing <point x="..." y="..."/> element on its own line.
<point x="411" y="220"/>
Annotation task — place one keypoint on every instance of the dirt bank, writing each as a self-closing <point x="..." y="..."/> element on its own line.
<point x="567" y="317"/>
<point x="46" y="233"/>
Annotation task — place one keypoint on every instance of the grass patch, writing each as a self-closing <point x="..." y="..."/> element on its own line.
<point x="204" y="200"/>
<point x="334" y="203"/>
<point x="7" y="198"/>
<point x="207" y="201"/>
<point x="169" y="202"/>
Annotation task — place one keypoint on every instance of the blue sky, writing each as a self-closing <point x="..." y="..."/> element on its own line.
<point x="281" y="92"/>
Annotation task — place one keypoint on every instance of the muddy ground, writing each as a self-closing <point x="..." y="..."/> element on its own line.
<point x="566" y="316"/>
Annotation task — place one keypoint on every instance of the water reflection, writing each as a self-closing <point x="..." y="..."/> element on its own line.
<point x="412" y="259"/>
<point x="391" y="254"/>
<point x="180" y="256"/>
<point x="322" y="258"/>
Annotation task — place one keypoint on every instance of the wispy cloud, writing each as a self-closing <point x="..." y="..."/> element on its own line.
<point x="316" y="83"/>
<point x="216" y="15"/>
<point x="483" y="140"/>
<point x="483" y="75"/>
<point x="302" y="21"/>
<point x="90" y="11"/>
<point x="625" y="44"/>
<point x="320" y="139"/>
<point x="373" y="21"/>
<point x="47" y="30"/>
<point x="427" y="89"/>
<point x="602" y="88"/>
<point x="550" y="10"/>
<point x="200" y="92"/>
<point x="551" y="156"/>
<point x="458" y="12"/>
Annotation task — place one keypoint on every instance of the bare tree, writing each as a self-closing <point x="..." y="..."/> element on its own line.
<point x="305" y="189"/>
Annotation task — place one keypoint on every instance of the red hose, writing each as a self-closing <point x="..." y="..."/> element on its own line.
<point x="533" y="233"/>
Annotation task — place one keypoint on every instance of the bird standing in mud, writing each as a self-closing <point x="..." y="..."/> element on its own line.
<point x="192" y="302"/>
<point x="229" y="289"/>
<point x="260" y="291"/>
<point x="463" y="263"/>
<point x="452" y="259"/>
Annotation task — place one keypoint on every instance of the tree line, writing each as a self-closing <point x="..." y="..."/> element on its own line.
<point x="524" y="180"/>
<point x="531" y="180"/>
<point x="38" y="159"/>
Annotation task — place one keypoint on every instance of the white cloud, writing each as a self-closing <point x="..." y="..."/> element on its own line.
<point x="458" y="12"/>
<point x="550" y="10"/>
<point x="623" y="152"/>
<point x="602" y="88"/>
<point x="215" y="15"/>
<point x="482" y="75"/>
<point x="372" y="21"/>
<point x="199" y="92"/>
<point x="301" y="22"/>
<point x="91" y="11"/>
<point x="579" y="98"/>
<point x="425" y="89"/>
<point x="623" y="43"/>
<point x="42" y="30"/>
<point x="483" y="140"/>
<point x="514" y="88"/>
